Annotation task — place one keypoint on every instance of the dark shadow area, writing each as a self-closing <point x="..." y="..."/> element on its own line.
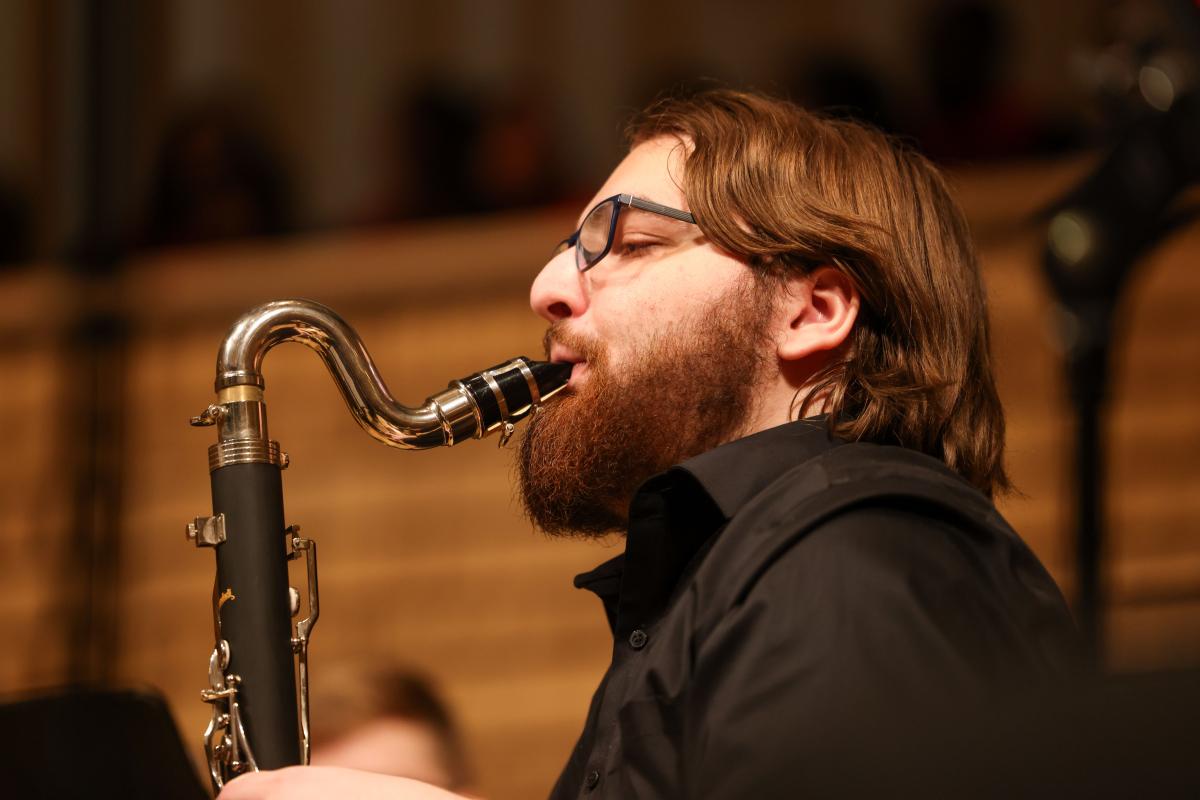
<point x="218" y="175"/>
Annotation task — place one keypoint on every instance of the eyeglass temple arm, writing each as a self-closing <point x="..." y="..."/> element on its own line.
<point x="666" y="211"/>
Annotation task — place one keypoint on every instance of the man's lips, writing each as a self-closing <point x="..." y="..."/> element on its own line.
<point x="578" y="373"/>
<point x="558" y="353"/>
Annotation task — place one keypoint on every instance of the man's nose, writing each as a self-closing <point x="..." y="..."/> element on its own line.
<point x="558" y="290"/>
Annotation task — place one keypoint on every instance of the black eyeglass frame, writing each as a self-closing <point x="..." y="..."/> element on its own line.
<point x="618" y="201"/>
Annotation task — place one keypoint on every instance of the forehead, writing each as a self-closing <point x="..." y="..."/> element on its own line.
<point x="653" y="170"/>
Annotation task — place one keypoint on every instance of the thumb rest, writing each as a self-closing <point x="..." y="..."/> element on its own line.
<point x="258" y="669"/>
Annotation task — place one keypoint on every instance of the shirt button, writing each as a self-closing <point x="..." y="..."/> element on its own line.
<point x="591" y="780"/>
<point x="637" y="639"/>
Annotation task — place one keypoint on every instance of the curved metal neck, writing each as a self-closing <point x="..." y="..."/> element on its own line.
<point x="239" y="363"/>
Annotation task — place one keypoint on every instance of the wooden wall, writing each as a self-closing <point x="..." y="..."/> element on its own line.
<point x="425" y="557"/>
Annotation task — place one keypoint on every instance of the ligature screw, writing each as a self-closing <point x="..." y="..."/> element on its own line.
<point x="506" y="434"/>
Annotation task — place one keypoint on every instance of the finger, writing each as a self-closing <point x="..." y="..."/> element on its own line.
<point x="249" y="786"/>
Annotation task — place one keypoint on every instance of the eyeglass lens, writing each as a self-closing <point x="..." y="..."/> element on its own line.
<point x="593" y="234"/>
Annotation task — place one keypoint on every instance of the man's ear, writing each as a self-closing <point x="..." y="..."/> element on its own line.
<point x="818" y="313"/>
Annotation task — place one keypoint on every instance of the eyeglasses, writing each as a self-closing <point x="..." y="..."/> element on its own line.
<point x="594" y="238"/>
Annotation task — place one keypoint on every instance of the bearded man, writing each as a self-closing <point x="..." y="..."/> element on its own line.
<point x="782" y="395"/>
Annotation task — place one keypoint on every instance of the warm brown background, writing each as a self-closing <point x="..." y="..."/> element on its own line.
<point x="425" y="557"/>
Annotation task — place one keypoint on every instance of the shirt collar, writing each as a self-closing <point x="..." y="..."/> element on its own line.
<point x="735" y="472"/>
<point x="674" y="514"/>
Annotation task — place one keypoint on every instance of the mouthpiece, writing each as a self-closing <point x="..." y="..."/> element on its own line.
<point x="497" y="397"/>
<point x="507" y="392"/>
<point x="551" y="376"/>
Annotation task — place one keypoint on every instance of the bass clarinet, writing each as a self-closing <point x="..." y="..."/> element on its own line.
<point x="258" y="669"/>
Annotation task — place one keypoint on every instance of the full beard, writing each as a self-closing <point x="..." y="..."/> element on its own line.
<point x="688" y="390"/>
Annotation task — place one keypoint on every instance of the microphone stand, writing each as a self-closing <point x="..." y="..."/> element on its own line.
<point x="1094" y="240"/>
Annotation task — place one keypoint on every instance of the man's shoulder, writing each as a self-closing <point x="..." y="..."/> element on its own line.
<point x="855" y="475"/>
<point x="867" y="532"/>
<point x="861" y="502"/>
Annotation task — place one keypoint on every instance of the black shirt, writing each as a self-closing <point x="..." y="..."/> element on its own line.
<point x="783" y="599"/>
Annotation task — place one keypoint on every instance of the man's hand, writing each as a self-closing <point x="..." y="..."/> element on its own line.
<point x="322" y="783"/>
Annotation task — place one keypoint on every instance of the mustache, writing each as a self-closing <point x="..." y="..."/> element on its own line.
<point x="585" y="347"/>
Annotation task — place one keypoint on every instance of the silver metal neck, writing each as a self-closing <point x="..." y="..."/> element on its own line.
<point x="444" y="419"/>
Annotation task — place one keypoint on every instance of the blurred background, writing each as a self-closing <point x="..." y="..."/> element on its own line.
<point x="166" y="165"/>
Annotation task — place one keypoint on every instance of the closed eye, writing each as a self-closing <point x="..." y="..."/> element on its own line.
<point x="632" y="249"/>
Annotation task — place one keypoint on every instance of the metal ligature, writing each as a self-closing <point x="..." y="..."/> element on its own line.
<point x="258" y="670"/>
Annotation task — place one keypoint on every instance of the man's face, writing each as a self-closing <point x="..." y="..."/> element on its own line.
<point x="659" y="270"/>
<point x="669" y="339"/>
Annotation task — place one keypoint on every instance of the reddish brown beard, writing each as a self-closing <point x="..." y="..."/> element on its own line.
<point x="687" y="391"/>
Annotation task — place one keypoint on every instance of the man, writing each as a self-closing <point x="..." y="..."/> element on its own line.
<point x="782" y="393"/>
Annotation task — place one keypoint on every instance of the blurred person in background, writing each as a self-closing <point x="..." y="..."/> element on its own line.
<point x="782" y="395"/>
<point x="515" y="157"/>
<point x="391" y="721"/>
<point x="217" y="176"/>
<point x="842" y="86"/>
<point x="977" y="111"/>
<point x="426" y="132"/>
<point x="447" y="150"/>
<point x="16" y="227"/>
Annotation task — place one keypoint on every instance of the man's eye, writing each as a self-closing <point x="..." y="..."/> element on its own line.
<point x="629" y="249"/>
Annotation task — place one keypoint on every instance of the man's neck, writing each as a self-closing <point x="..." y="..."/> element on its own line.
<point x="778" y="403"/>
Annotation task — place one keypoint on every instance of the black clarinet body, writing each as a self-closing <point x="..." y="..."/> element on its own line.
<point x="256" y="614"/>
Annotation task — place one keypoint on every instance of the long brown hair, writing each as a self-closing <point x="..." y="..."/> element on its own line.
<point x="785" y="189"/>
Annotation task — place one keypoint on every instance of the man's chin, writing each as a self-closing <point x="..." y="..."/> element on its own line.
<point x="565" y="488"/>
